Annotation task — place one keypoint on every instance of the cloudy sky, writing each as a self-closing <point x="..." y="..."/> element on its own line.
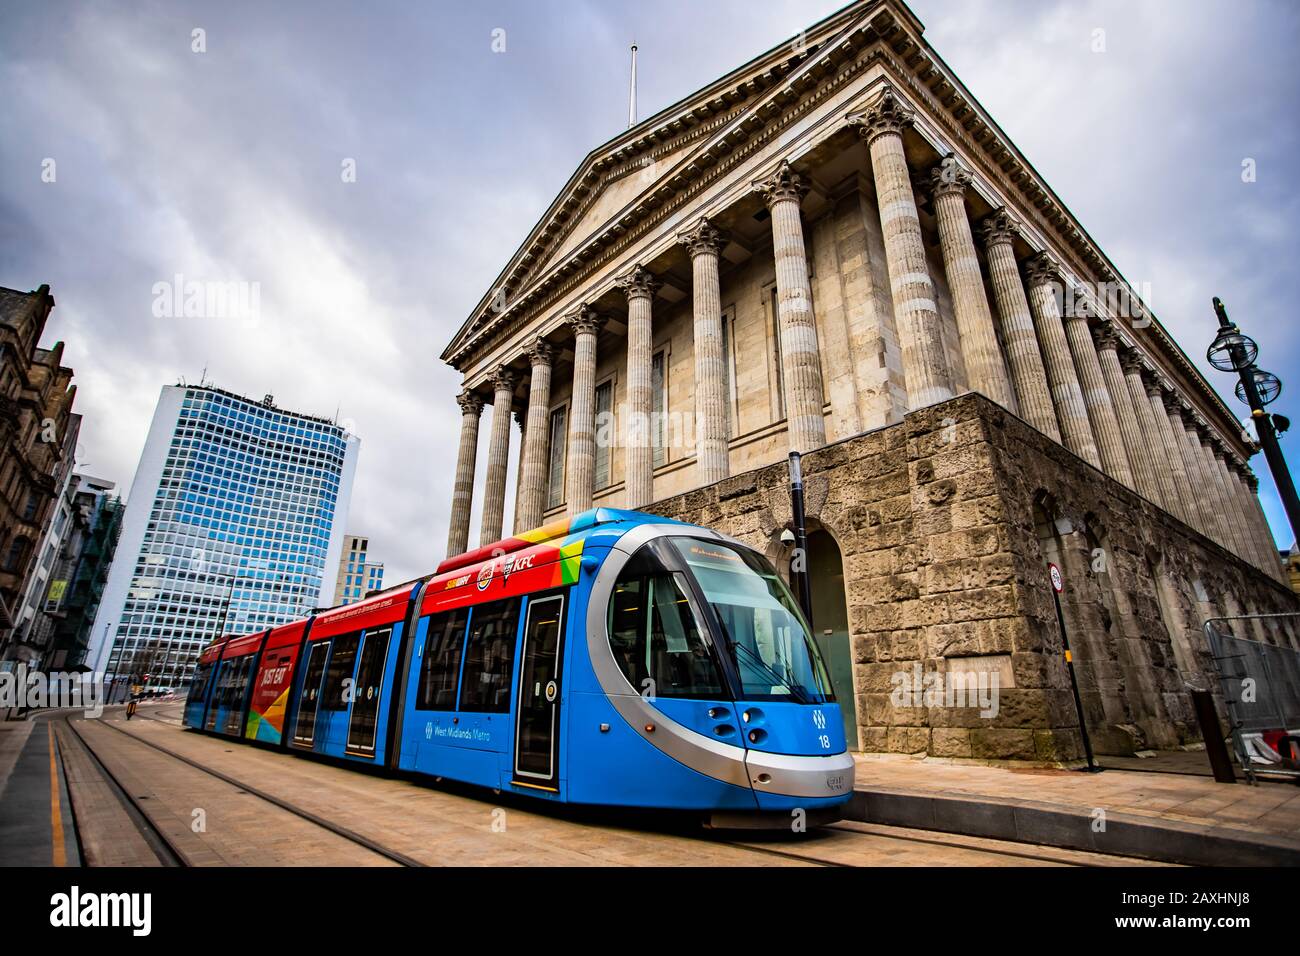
<point x="227" y="165"/>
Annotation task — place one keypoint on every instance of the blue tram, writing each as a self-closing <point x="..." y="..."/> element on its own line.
<point x="616" y="658"/>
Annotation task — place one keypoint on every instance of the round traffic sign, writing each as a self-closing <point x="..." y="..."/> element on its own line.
<point x="1058" y="583"/>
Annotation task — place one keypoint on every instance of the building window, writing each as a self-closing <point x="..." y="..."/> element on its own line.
<point x="604" y="431"/>
<point x="555" y="468"/>
<point x="729" y="368"/>
<point x="778" y="364"/>
<point x="659" y="406"/>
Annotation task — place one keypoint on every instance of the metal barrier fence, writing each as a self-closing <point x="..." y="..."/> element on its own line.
<point x="1261" y="688"/>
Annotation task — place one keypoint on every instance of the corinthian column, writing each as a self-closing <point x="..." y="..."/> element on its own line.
<point x="1044" y="282"/>
<point x="979" y="341"/>
<point x="537" y="437"/>
<point x="1027" y="372"/>
<point x="580" y="478"/>
<point x="1096" y="396"/>
<point x="1131" y="361"/>
<point x="1135" y="445"/>
<point x="1240" y="495"/>
<point x="920" y="338"/>
<point x="494" y="488"/>
<point x="1182" y="418"/>
<point x="1268" y="545"/>
<point x="639" y="287"/>
<point x="1202" y="440"/>
<point x="1237" y="542"/>
<point x="801" y="371"/>
<point x="462" y="494"/>
<point x="1180" y="503"/>
<point x="703" y="242"/>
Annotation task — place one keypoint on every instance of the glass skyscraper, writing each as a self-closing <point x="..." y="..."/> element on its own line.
<point x="234" y="524"/>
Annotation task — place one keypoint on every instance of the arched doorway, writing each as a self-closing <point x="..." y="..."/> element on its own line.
<point x="831" y="624"/>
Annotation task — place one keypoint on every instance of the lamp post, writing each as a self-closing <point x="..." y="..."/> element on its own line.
<point x="1233" y="351"/>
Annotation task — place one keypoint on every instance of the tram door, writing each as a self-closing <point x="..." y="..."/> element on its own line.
<point x="304" y="728"/>
<point x="366" y="690"/>
<point x="537" y="729"/>
<point x="219" y="681"/>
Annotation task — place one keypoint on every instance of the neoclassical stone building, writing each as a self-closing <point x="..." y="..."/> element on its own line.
<point x="835" y="250"/>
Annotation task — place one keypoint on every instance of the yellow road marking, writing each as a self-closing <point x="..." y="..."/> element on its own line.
<point x="56" y="814"/>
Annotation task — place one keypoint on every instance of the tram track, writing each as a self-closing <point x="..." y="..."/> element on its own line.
<point x="338" y="830"/>
<point x="168" y="854"/>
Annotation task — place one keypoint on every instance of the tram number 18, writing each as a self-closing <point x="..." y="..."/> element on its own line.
<point x="819" y="721"/>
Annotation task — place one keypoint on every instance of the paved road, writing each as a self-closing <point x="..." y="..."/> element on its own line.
<point x="144" y="793"/>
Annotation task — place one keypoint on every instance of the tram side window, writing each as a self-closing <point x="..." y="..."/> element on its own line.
<point x="199" y="683"/>
<point x="489" y="654"/>
<point x="343" y="656"/>
<point x="441" y="667"/>
<point x="656" y="638"/>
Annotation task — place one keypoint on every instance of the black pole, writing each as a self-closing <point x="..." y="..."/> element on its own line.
<point x="1074" y="681"/>
<point x="1263" y="424"/>
<point x="800" y="537"/>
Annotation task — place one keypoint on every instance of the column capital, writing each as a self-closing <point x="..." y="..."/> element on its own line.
<point x="885" y="116"/>
<point x="1252" y="480"/>
<point x="999" y="226"/>
<point x="637" y="283"/>
<point x="470" y="403"/>
<point x="504" y="379"/>
<point x="1042" y="268"/>
<point x="1173" y="401"/>
<point x="1188" y="412"/>
<point x="541" y="352"/>
<point x="585" y="319"/>
<point x="521" y="418"/>
<point x="783" y="184"/>
<point x="702" y="238"/>
<point x="949" y="177"/>
<point x="1131" y="358"/>
<point x="1105" y="334"/>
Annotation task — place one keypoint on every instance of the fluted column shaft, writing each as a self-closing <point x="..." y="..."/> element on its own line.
<point x="920" y="337"/>
<point x="462" y="495"/>
<point x="1180" y="503"/>
<point x="1097" y="400"/>
<point x="801" y="368"/>
<point x="1151" y="433"/>
<point x="1135" y="445"/>
<point x="712" y="447"/>
<point x="1273" y="563"/>
<point x="580" y="476"/>
<point x="638" y="481"/>
<point x="537" y="438"/>
<point x="1212" y="490"/>
<point x="1202" y="504"/>
<point x="1067" y="395"/>
<point x="1246" y="514"/>
<point x="979" y="341"/>
<point x="1026" y="360"/>
<point x="494" y="486"/>
<point x="1237" y="542"/>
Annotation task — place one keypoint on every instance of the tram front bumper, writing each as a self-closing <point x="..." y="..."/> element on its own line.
<point x="798" y="776"/>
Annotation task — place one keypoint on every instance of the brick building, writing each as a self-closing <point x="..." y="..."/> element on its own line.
<point x="36" y="395"/>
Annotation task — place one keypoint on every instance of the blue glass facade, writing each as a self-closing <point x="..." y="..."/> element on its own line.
<point x="239" y="530"/>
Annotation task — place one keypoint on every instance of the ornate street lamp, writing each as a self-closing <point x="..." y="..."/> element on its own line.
<point x="1233" y="351"/>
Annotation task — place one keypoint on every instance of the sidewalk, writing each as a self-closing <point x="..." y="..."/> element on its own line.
<point x="1176" y="818"/>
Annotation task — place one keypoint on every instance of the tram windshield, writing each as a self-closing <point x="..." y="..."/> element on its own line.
<point x="762" y="629"/>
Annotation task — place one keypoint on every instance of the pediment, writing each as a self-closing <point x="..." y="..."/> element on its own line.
<point x="648" y="159"/>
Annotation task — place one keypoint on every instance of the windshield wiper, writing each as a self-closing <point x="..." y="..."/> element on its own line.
<point x="796" y="691"/>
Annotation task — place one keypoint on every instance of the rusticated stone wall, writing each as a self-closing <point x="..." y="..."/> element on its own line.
<point x="946" y="522"/>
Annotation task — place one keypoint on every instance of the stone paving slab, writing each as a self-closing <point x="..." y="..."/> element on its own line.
<point x="1172" y="817"/>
